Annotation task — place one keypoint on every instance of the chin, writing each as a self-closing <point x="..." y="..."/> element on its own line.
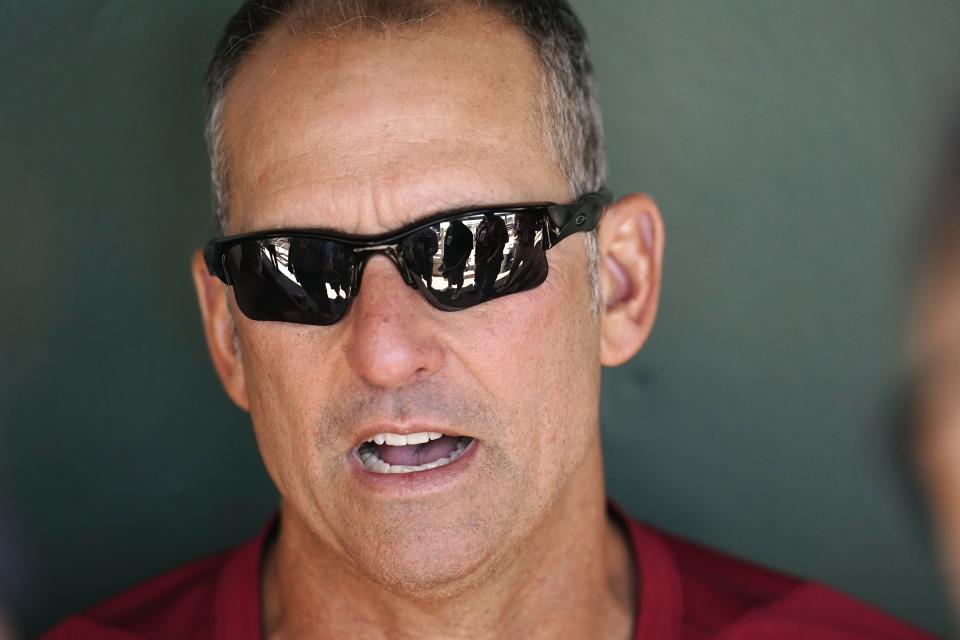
<point x="426" y="566"/>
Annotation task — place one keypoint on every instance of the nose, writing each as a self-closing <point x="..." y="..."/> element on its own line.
<point x="392" y="336"/>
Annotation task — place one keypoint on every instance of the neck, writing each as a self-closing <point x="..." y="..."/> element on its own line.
<point x="572" y="577"/>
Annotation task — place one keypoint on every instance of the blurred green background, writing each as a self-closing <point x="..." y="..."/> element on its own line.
<point x="786" y="142"/>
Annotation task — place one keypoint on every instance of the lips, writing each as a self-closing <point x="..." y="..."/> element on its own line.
<point x="388" y="452"/>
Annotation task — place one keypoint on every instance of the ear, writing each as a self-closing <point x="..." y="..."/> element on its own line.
<point x="630" y="239"/>
<point x="218" y="328"/>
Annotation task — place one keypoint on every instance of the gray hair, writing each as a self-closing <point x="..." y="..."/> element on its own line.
<point x="569" y="106"/>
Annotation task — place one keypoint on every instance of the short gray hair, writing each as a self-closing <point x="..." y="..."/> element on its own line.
<point x="569" y="104"/>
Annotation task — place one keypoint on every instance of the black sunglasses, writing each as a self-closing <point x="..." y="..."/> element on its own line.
<point x="455" y="259"/>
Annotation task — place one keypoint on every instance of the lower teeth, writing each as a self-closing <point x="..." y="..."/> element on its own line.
<point x="373" y="462"/>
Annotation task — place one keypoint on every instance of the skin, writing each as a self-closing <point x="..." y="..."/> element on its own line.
<point x="363" y="134"/>
<point x="936" y="350"/>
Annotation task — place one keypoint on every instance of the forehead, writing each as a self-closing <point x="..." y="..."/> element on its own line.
<point x="366" y="132"/>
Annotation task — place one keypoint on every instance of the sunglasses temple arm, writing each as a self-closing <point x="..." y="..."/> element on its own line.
<point x="584" y="215"/>
<point x="216" y="262"/>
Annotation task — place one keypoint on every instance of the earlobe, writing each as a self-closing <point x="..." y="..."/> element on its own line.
<point x="219" y="331"/>
<point x="631" y="250"/>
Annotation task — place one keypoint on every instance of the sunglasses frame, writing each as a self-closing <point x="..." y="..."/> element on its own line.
<point x="563" y="220"/>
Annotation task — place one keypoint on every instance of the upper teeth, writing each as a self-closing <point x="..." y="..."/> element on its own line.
<point x="399" y="439"/>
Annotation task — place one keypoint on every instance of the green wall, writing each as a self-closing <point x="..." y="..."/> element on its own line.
<point x="785" y="141"/>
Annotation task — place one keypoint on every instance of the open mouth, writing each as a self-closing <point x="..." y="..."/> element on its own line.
<point x="407" y="453"/>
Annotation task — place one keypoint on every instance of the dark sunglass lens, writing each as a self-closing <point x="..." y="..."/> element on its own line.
<point x="468" y="260"/>
<point x="291" y="279"/>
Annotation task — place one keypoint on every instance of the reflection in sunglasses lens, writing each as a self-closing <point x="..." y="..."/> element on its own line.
<point x="302" y="280"/>
<point x="469" y="260"/>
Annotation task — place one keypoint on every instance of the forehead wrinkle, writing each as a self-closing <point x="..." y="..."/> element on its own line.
<point x="461" y="160"/>
<point x="499" y="143"/>
<point x="375" y="199"/>
<point x="373" y="207"/>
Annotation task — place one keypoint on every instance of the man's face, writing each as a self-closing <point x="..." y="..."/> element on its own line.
<point x="364" y="134"/>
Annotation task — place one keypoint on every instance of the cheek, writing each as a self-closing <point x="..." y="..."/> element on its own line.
<point x="538" y="358"/>
<point x="285" y="387"/>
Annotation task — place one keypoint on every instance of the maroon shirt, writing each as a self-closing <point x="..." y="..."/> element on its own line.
<point x="684" y="592"/>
